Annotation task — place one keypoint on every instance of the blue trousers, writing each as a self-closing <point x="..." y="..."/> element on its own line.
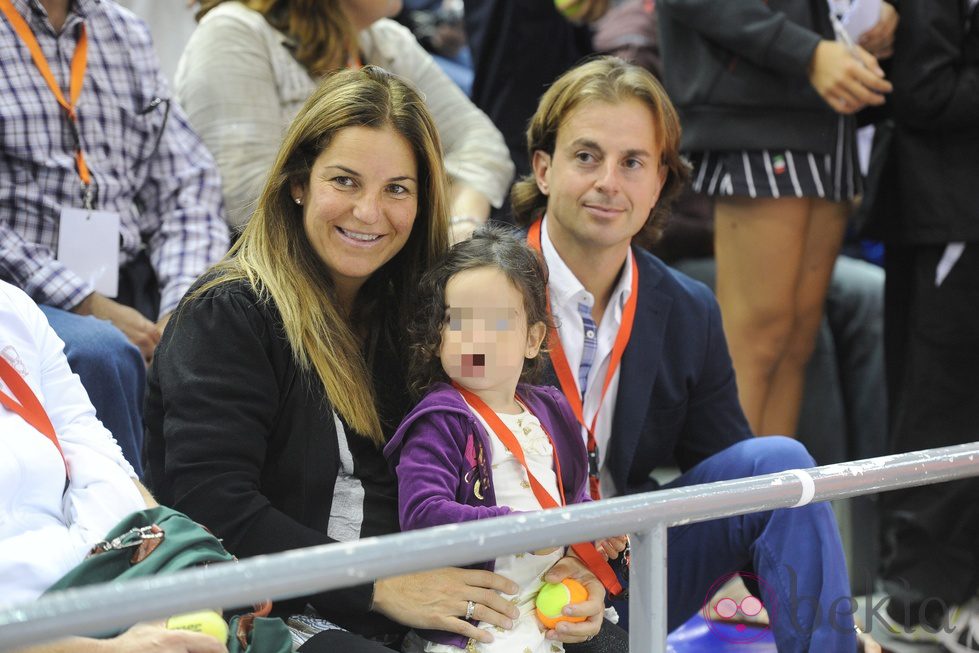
<point x="111" y="370"/>
<point x="795" y="555"/>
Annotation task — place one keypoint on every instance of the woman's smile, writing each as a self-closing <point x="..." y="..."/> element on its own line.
<point x="360" y="202"/>
<point x="359" y="238"/>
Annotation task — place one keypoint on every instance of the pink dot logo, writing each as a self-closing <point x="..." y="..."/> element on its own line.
<point x="728" y="608"/>
<point x="735" y="618"/>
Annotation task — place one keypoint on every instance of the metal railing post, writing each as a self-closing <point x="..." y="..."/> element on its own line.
<point x="647" y="590"/>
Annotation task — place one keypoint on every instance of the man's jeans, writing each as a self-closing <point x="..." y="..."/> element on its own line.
<point x="111" y="370"/>
<point x="795" y="554"/>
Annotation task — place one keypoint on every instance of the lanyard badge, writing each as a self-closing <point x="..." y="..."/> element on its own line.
<point x="88" y="240"/>
<point x="79" y="62"/>
<point x="586" y="551"/>
<point x="563" y="369"/>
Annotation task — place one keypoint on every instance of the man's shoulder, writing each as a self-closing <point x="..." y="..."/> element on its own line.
<point x="124" y="23"/>
<point x="654" y="274"/>
<point x="125" y="46"/>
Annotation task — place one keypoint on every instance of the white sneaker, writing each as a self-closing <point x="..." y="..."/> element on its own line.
<point x="960" y="631"/>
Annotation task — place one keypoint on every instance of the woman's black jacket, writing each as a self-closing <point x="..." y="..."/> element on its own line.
<point x="244" y="442"/>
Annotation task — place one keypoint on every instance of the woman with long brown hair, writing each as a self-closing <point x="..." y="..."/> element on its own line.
<point x="281" y="374"/>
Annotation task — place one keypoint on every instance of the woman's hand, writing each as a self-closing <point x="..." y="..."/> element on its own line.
<point x="140" y="331"/>
<point x="847" y="81"/>
<point x="469" y="208"/>
<point x="611" y="547"/>
<point x="154" y="638"/>
<point x="593" y="608"/>
<point x="141" y="638"/>
<point x="439" y="600"/>
<point x="461" y="227"/>
<point x="879" y="39"/>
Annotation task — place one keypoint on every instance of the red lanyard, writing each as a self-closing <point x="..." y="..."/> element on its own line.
<point x="79" y="62"/>
<point x="25" y="404"/>
<point x="586" y="551"/>
<point x="510" y="442"/>
<point x="563" y="369"/>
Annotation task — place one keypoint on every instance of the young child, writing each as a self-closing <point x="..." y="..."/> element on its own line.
<point x="475" y="344"/>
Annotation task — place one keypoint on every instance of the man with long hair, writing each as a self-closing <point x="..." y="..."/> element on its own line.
<point x="640" y="353"/>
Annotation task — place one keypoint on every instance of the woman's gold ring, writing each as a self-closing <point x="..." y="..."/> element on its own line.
<point x="470" y="610"/>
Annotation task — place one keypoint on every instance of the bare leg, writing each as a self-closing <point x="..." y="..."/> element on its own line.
<point x="826" y="226"/>
<point x="759" y="246"/>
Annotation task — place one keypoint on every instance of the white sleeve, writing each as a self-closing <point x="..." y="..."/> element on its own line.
<point x="47" y="532"/>
<point x="227" y="85"/>
<point x="101" y="491"/>
<point x="475" y="152"/>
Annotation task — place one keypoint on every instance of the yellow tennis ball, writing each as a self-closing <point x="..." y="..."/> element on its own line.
<point x="571" y="9"/>
<point x="554" y="596"/>
<point x="207" y="622"/>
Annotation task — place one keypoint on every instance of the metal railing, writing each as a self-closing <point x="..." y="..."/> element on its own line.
<point x="113" y="606"/>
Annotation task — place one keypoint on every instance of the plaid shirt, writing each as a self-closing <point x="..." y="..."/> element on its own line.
<point x="169" y="199"/>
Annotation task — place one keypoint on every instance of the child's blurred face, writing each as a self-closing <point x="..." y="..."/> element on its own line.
<point x="486" y="338"/>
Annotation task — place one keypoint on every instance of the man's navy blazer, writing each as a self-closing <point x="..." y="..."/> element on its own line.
<point x="677" y="401"/>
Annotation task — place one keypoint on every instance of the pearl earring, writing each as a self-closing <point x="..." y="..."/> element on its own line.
<point x="299" y="200"/>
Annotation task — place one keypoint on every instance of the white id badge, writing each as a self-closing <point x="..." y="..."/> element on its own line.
<point x="857" y="16"/>
<point x="88" y="245"/>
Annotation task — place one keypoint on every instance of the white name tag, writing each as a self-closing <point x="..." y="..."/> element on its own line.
<point x="857" y="16"/>
<point x="88" y="245"/>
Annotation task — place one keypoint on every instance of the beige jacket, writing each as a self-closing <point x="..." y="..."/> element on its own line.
<point x="241" y="87"/>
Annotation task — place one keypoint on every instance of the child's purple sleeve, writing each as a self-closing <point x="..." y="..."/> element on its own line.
<point x="430" y="473"/>
<point x="572" y="428"/>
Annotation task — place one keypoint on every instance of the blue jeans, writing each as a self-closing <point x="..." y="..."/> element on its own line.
<point x="111" y="370"/>
<point x="795" y="554"/>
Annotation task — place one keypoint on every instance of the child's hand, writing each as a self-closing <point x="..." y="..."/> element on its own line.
<point x="611" y="547"/>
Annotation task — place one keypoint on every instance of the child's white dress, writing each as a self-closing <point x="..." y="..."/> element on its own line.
<point x="525" y="569"/>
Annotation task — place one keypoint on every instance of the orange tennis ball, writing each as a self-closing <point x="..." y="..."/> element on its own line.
<point x="554" y="596"/>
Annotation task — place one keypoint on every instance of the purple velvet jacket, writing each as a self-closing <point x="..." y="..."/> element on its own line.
<point x="441" y="454"/>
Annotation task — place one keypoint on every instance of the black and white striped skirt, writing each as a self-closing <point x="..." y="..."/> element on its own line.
<point x="782" y="173"/>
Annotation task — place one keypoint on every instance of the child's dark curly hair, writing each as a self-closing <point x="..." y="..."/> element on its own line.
<point x="494" y="246"/>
